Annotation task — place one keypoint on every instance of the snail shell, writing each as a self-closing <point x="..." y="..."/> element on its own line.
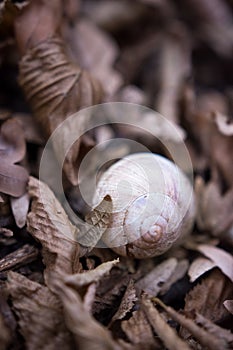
<point x="152" y="205"/>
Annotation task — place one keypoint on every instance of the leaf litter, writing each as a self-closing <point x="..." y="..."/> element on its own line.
<point x="174" y="56"/>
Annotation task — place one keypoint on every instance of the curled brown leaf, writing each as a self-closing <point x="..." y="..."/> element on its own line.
<point x="40" y="314"/>
<point x="49" y="224"/>
<point x="54" y="86"/>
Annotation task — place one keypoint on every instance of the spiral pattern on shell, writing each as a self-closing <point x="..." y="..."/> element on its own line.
<point x="153" y="206"/>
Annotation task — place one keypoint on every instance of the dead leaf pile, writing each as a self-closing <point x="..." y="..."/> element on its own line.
<point x="56" y="58"/>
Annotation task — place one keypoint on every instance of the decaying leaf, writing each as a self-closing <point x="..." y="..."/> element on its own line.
<point x="128" y="301"/>
<point x="49" y="224"/>
<point x="80" y="280"/>
<point x="139" y="331"/>
<point x="96" y="52"/>
<point x="214" y="209"/>
<point x="40" y="314"/>
<point x="5" y="337"/>
<point x="13" y="178"/>
<point x="153" y="282"/>
<point x="211" y="341"/>
<point x="54" y="86"/>
<point x="207" y="297"/>
<point x="168" y="335"/>
<point x="87" y="332"/>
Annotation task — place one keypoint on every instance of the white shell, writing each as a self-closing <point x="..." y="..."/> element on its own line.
<point x="152" y="205"/>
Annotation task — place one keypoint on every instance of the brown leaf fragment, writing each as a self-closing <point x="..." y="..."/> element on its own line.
<point x="40" y="314"/>
<point x="210" y="341"/>
<point x="212" y="328"/>
<point x="87" y="332"/>
<point x="198" y="267"/>
<point x="168" y="335"/>
<point x="80" y="280"/>
<point x="49" y="224"/>
<point x="19" y="207"/>
<point x="5" y="336"/>
<point x="214" y="209"/>
<point x="153" y="282"/>
<point x="207" y="297"/>
<point x="128" y="301"/>
<point x="222" y="259"/>
<point x="19" y="257"/>
<point x="139" y="331"/>
<point x="229" y="305"/>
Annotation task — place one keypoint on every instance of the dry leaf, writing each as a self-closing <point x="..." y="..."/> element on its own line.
<point x="79" y="280"/>
<point x="19" y="207"/>
<point x="221" y="333"/>
<point x="222" y="259"/>
<point x="214" y="210"/>
<point x="55" y="87"/>
<point x="210" y="341"/>
<point x="40" y="314"/>
<point x="96" y="52"/>
<point x="139" y="331"/>
<point x="153" y="282"/>
<point x="198" y="267"/>
<point x="60" y="250"/>
<point x="13" y="178"/>
<point x="207" y="297"/>
<point x="127" y="303"/>
<point x="168" y="335"/>
<point x="5" y="336"/>
<point x="87" y="332"/>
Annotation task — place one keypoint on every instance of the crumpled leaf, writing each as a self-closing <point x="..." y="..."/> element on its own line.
<point x="207" y="297"/>
<point x="209" y="340"/>
<point x="168" y="335"/>
<point x="80" y="280"/>
<point x="13" y="178"/>
<point x="198" y="267"/>
<point x="153" y="282"/>
<point x="220" y="257"/>
<point x="59" y="249"/>
<point x="139" y="331"/>
<point x="127" y="303"/>
<point x="87" y="332"/>
<point x="55" y="87"/>
<point x="40" y="314"/>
